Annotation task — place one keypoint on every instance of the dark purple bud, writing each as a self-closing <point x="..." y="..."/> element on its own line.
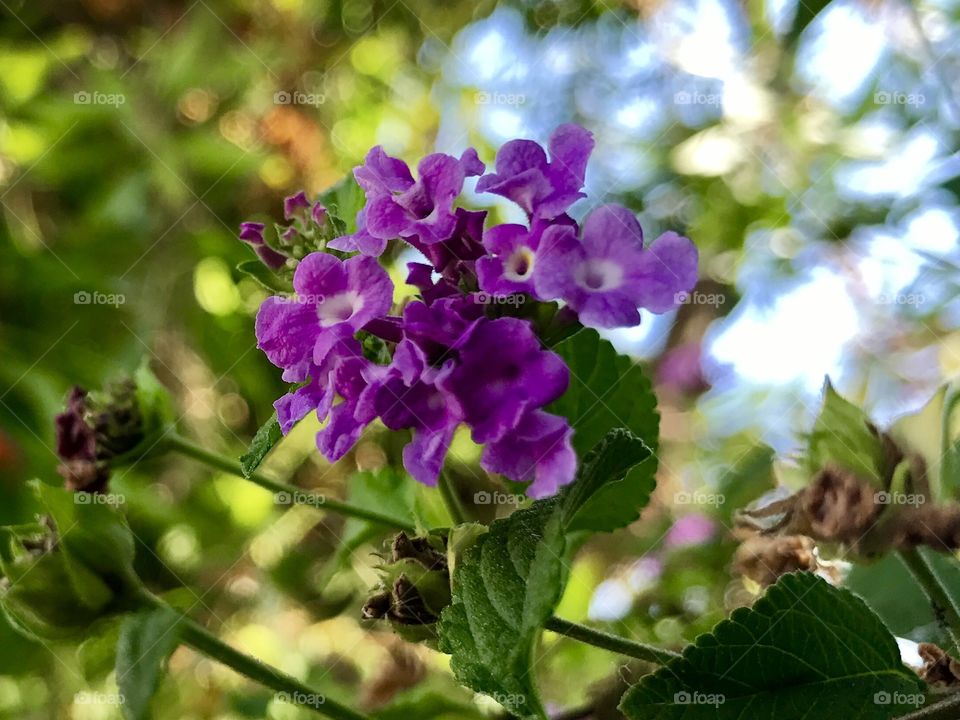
<point x="293" y="204"/>
<point x="252" y="234"/>
<point x="319" y="213"/>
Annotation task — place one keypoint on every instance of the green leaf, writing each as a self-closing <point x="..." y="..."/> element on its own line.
<point x="805" y="649"/>
<point x="388" y="490"/>
<point x="608" y="391"/>
<point x="343" y="201"/>
<point x="95" y="534"/>
<point x="843" y="436"/>
<point x="65" y="577"/>
<point x="264" y="276"/>
<point x="505" y="587"/>
<point x="146" y="641"/>
<point x="267" y="436"/>
<point x="806" y="12"/>
<point x="604" y="467"/>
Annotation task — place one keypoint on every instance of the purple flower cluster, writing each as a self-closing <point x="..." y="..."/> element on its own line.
<point x="452" y="359"/>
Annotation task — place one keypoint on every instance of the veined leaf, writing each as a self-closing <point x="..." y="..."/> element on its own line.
<point x="505" y="587"/>
<point x="608" y="391"/>
<point x="842" y="436"/>
<point x="146" y="641"/>
<point x="806" y="649"/>
<point x="601" y="471"/>
<point x="267" y="436"/>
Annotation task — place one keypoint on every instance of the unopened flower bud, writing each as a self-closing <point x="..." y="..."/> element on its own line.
<point x="99" y="430"/>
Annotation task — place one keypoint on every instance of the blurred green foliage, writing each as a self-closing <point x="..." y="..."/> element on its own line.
<point x="134" y="137"/>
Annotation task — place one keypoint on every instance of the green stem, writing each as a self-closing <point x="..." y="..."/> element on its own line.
<point x="295" y="494"/>
<point x="944" y="610"/>
<point x="614" y="643"/>
<point x="203" y="641"/>
<point x="451" y="499"/>
<point x="948" y="709"/>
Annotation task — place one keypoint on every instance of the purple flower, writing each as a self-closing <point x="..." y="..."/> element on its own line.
<point x="501" y="374"/>
<point x="456" y="256"/>
<point x="295" y="332"/>
<point x="537" y="451"/>
<point x="513" y="256"/>
<point x="340" y="369"/>
<point x="407" y="395"/>
<point x="399" y="206"/>
<point x="410" y="392"/>
<point x="544" y="188"/>
<point x="608" y="275"/>
<point x="252" y="234"/>
<point x="454" y="365"/>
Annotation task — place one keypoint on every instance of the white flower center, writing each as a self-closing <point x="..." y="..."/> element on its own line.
<point x="598" y="275"/>
<point x="519" y="266"/>
<point x="338" y="308"/>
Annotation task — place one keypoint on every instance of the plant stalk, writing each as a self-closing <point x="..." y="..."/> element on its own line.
<point x="295" y="692"/>
<point x="451" y="499"/>
<point x="296" y="495"/>
<point x="948" y="709"/>
<point x="944" y="610"/>
<point x="613" y="643"/>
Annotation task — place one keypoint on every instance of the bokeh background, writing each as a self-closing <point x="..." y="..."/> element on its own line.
<point x="808" y="149"/>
